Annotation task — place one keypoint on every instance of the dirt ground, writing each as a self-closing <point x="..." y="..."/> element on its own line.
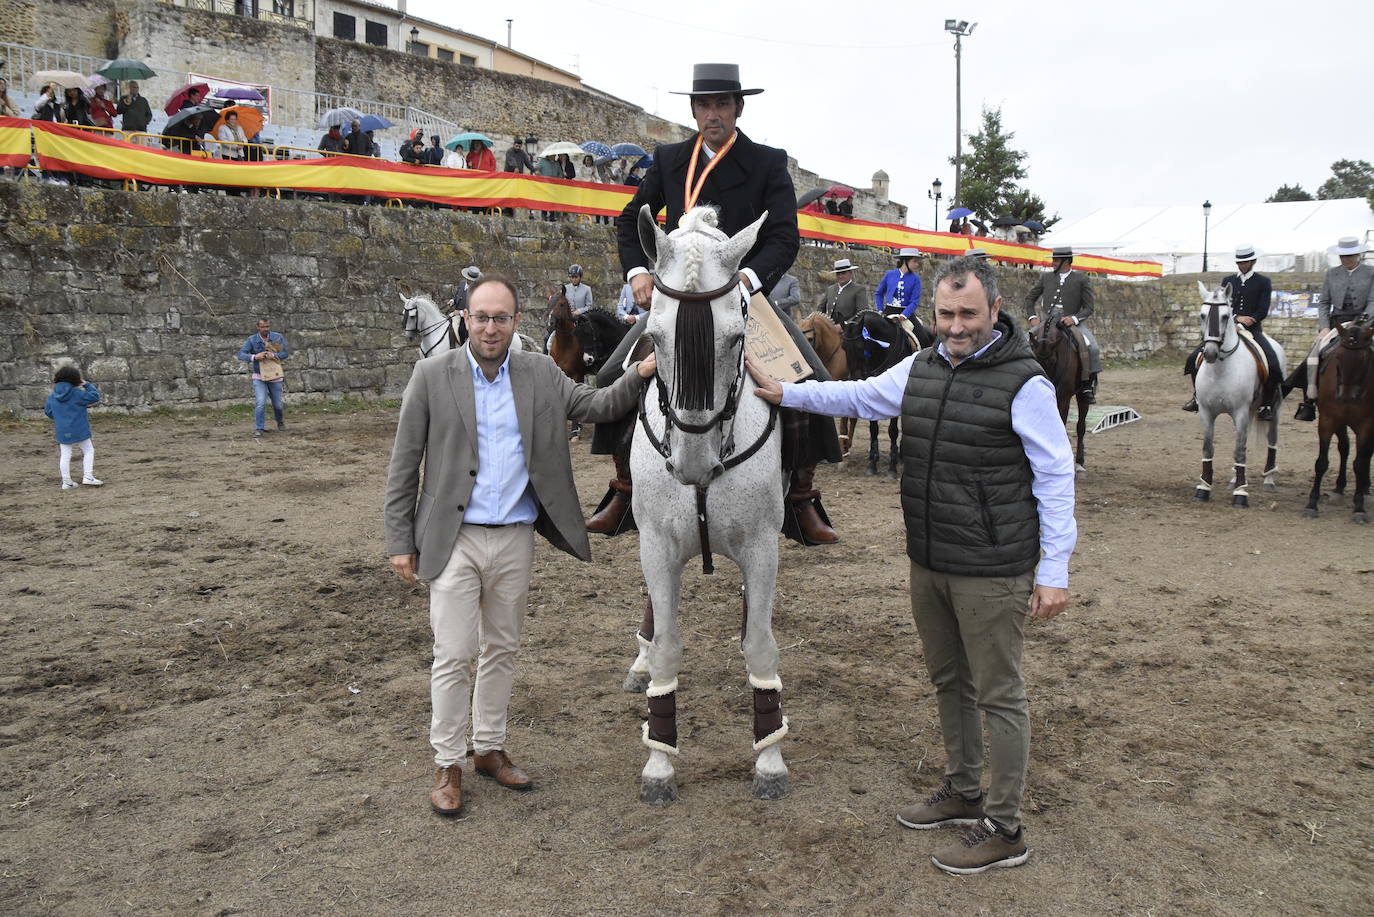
<point x="215" y="699"/>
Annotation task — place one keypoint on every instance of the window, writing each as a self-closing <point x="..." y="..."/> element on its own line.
<point x="285" y="8"/>
<point x="467" y="60"/>
<point x="345" y="26"/>
<point x="419" y="49"/>
<point x="376" y="33"/>
<point x="445" y="54"/>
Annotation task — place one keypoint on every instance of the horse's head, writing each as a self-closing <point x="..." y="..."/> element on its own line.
<point x="1216" y="320"/>
<point x="1353" y="361"/>
<point x="1045" y="338"/>
<point x="697" y="324"/>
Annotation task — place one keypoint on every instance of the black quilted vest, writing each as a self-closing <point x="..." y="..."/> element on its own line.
<point x="966" y="485"/>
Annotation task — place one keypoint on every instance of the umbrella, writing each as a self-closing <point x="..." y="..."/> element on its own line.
<point x="626" y="150"/>
<point x="373" y="123"/>
<point x="645" y="162"/>
<point x="555" y="149"/>
<point x="596" y="148"/>
<point x="126" y="69"/>
<point x="980" y="224"/>
<point x="338" y="117"/>
<point x="814" y="194"/>
<point x="174" y="103"/>
<point x="184" y="114"/>
<point x="466" y="139"/>
<point x="1034" y="225"/>
<point x="250" y="118"/>
<point x="840" y="191"/>
<point x="958" y="213"/>
<point x="1006" y="221"/>
<point x="94" y="80"/>
<point x="65" y="79"/>
<point x="239" y="94"/>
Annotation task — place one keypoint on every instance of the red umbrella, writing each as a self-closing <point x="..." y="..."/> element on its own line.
<point x="839" y="191"/>
<point x="174" y="103"/>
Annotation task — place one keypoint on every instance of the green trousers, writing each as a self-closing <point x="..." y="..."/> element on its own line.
<point x="972" y="630"/>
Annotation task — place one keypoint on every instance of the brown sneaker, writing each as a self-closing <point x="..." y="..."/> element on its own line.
<point x="447" y="795"/>
<point x="944" y="807"/>
<point x="985" y="846"/>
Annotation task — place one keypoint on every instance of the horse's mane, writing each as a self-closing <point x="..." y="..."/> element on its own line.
<point x="694" y="335"/>
<point x="857" y="347"/>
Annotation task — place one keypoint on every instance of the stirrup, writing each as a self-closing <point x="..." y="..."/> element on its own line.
<point x="1191" y="406"/>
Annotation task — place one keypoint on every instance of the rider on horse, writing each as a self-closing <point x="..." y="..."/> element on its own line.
<point x="458" y="305"/>
<point x="1250" y="295"/>
<point x="1347" y="294"/>
<point x="1071" y="292"/>
<point x="900" y="289"/>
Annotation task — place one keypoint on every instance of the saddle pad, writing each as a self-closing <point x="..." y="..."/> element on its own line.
<point x="1256" y="352"/>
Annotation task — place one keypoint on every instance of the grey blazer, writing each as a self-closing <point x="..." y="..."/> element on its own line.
<point x="1074" y="295"/>
<point x="1338" y="280"/>
<point x="438" y="428"/>
<point x="786" y="295"/>
<point x="842" y="305"/>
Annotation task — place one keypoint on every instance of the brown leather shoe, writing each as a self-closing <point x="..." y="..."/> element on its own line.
<point x="496" y="765"/>
<point x="447" y="795"/>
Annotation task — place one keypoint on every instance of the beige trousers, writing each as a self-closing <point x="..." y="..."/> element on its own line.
<point x="476" y="609"/>
<point x="972" y="633"/>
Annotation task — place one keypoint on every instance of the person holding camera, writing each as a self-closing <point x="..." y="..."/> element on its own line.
<point x="264" y="352"/>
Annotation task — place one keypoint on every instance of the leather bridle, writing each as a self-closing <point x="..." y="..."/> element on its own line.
<point x="411" y="322"/>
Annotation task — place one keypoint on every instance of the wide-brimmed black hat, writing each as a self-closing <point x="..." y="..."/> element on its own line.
<point x="714" y="80"/>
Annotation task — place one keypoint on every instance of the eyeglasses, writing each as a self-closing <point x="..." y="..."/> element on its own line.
<point x="500" y="321"/>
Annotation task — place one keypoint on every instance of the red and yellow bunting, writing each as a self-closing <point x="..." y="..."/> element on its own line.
<point x="63" y="148"/>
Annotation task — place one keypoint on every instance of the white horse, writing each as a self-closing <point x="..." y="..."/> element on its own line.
<point x="1228" y="382"/>
<point x="436" y="332"/>
<point x="707" y="466"/>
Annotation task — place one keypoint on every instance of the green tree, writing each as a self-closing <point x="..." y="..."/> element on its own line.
<point x="990" y="171"/>
<point x="1349" y="178"/>
<point x="1370" y="199"/>
<point x="1288" y="193"/>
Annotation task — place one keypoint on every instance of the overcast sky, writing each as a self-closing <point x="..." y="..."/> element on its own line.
<point x="1148" y="104"/>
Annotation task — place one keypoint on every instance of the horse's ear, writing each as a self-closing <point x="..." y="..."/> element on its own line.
<point x="1226" y="291"/>
<point x="407" y="292"/>
<point x="650" y="236"/>
<point x="740" y="243"/>
<point x="1202" y="290"/>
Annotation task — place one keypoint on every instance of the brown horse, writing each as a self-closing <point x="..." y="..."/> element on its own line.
<point x="565" y="347"/>
<point x="827" y="340"/>
<point x="1345" y="400"/>
<point x="1054" y="348"/>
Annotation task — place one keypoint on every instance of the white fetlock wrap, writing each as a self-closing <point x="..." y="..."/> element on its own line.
<point x="766" y="684"/>
<point x="1203" y="485"/>
<point x="772" y="738"/>
<point x="644" y="644"/>
<point x="659" y="690"/>
<point x="666" y="748"/>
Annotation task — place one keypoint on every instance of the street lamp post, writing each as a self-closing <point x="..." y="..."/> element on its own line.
<point x="934" y="195"/>
<point x="414" y="37"/>
<point x="959" y="28"/>
<point x="1206" y="221"/>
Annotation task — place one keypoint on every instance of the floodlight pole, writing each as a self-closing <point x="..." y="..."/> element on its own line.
<point x="958" y="28"/>
<point x="1206" y="222"/>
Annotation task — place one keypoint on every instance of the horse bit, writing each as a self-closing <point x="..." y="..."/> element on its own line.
<point x="726" y="413"/>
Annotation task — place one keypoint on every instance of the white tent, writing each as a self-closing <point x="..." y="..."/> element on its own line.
<point x="1292" y="236"/>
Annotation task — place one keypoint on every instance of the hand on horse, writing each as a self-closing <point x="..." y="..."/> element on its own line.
<point x="404" y="565"/>
<point x="769" y="389"/>
<point x="642" y="288"/>
<point x="648" y="366"/>
<point x="1048" y="601"/>
<point x="1245" y="320"/>
<point x="1068" y="321"/>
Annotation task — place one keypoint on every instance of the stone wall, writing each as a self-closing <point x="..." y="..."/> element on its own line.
<point x="154" y="293"/>
<point x="75" y="26"/>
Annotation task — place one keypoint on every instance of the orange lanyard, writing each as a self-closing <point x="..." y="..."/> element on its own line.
<point x="692" y="190"/>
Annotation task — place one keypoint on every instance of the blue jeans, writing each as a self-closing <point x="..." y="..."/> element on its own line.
<point x="261" y="392"/>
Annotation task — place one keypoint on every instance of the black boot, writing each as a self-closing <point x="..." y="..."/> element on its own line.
<point x="1306" y="411"/>
<point x="1088" y="389"/>
<point x="1191" y="406"/>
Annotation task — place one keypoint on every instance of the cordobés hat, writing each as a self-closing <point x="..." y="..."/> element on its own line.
<point x="714" y="80"/>
<point x="908" y="253"/>
<point x="472" y="272"/>
<point x="1348" y="245"/>
<point x="842" y="265"/>
<point x="976" y="253"/>
<point x="1063" y="251"/>
<point x="1246" y="252"/>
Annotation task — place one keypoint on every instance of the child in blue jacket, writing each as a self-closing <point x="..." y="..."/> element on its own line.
<point x="67" y="405"/>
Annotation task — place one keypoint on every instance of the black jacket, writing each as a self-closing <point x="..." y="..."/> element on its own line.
<point x="751" y="179"/>
<point x="135" y="114"/>
<point x="1251" y="298"/>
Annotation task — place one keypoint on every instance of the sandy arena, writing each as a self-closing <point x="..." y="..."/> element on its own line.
<point x="216" y="698"/>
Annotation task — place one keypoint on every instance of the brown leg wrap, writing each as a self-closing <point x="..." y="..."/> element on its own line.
<point x="767" y="713"/>
<point x="663" y="718"/>
<point x="804" y="502"/>
<point x="613" y="515"/>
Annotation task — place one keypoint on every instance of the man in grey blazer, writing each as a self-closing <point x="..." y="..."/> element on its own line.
<point x="786" y="296"/>
<point x="844" y="298"/>
<point x="1071" y="292"/>
<point x="486" y="423"/>
<point x="1347" y="294"/>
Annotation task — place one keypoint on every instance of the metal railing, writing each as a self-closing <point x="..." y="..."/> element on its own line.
<point x="22" y="62"/>
<point x="431" y="124"/>
<point x="300" y="108"/>
<point x="283" y="12"/>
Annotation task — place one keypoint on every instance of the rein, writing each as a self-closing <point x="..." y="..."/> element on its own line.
<point x="451" y="337"/>
<point x="728" y="458"/>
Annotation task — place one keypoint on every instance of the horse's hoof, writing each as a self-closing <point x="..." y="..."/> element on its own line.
<point x="1270" y="487"/>
<point x="1360" y="518"/>
<point x="658" y="792"/>
<point x="771" y="786"/>
<point x="1310" y="512"/>
<point x="1202" y="496"/>
<point x="1240" y="501"/>
<point x="636" y="682"/>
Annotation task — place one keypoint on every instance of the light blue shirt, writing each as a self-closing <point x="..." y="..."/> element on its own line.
<point x="625" y="306"/>
<point x="1034" y="418"/>
<point x="502" y="494"/>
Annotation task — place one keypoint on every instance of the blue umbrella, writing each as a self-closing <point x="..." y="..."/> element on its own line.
<point x="958" y="213"/>
<point x="596" y="148"/>
<point x="466" y="139"/>
<point x="645" y="161"/>
<point x="370" y="123"/>
<point x="1034" y="225"/>
<point x="627" y="150"/>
